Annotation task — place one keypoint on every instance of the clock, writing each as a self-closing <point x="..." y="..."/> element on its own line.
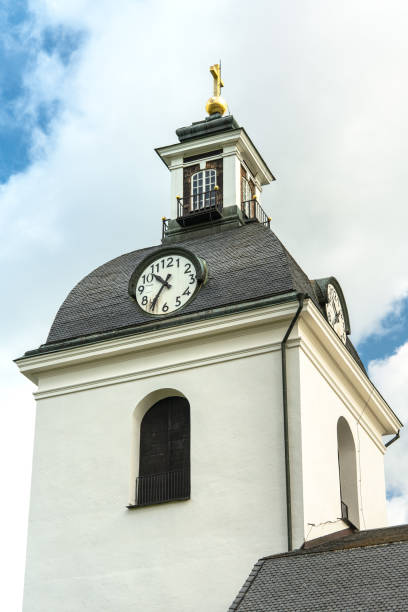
<point x="167" y="280"/>
<point x="334" y="313"/>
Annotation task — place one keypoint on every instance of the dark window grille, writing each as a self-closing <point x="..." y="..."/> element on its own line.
<point x="164" y="465"/>
<point x="159" y="488"/>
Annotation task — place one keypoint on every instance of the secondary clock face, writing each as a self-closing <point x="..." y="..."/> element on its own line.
<point x="334" y="313"/>
<point x="166" y="283"/>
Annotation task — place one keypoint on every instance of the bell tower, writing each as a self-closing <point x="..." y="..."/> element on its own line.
<point x="199" y="403"/>
<point x="217" y="174"/>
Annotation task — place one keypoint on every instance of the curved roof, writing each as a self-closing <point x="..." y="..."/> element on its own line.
<point x="245" y="263"/>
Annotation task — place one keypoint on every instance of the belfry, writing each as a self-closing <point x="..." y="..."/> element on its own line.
<point x="199" y="405"/>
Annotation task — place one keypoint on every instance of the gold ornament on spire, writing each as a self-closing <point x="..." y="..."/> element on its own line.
<point x="216" y="104"/>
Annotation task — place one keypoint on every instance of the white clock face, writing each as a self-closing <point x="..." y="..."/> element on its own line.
<point x="166" y="284"/>
<point x="334" y="313"/>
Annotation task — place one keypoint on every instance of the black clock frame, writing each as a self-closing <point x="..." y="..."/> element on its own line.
<point x="199" y="264"/>
<point x="323" y="284"/>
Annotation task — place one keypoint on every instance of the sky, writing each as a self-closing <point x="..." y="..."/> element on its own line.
<point x="89" y="89"/>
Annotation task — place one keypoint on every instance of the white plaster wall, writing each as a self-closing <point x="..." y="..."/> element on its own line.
<point x="176" y="187"/>
<point x="231" y="178"/>
<point x="87" y="552"/>
<point x="372" y="500"/>
<point x="321" y="407"/>
<point x="295" y="439"/>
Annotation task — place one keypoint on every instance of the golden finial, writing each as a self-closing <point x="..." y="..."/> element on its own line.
<point x="216" y="104"/>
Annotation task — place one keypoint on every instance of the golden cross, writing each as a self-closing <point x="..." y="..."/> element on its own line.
<point x="218" y="82"/>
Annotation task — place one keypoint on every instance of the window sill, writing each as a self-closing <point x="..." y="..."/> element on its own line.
<point x="157" y="503"/>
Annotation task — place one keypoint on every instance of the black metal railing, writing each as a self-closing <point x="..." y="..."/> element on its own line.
<point x="165" y="226"/>
<point x="253" y="211"/>
<point x="344" y="511"/>
<point x="159" y="488"/>
<point x="199" y="203"/>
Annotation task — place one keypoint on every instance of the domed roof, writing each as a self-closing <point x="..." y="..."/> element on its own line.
<point x="245" y="264"/>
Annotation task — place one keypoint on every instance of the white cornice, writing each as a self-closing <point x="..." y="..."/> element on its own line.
<point x="200" y="145"/>
<point x="370" y="396"/>
<point x="316" y="327"/>
<point x="171" y="369"/>
<point x="176" y="165"/>
<point x="238" y="138"/>
<point x="358" y="414"/>
<point x="33" y="366"/>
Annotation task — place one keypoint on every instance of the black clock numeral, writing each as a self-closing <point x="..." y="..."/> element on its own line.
<point x="144" y="300"/>
<point x="140" y="289"/>
<point x="187" y="268"/>
<point x="178" y="301"/>
<point x="165" y="307"/>
<point x="156" y="266"/>
<point x="192" y="279"/>
<point x="169" y="262"/>
<point x="187" y="291"/>
<point x="147" y="278"/>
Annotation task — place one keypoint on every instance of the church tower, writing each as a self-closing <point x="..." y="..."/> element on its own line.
<point x="199" y="404"/>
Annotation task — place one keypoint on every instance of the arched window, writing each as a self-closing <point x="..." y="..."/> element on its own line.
<point x="248" y="205"/>
<point x="347" y="472"/>
<point x="164" y="460"/>
<point x="246" y="190"/>
<point x="202" y="189"/>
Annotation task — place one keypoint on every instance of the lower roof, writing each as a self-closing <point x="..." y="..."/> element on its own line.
<point x="363" y="571"/>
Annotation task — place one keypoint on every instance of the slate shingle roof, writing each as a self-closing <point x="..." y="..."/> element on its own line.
<point x="245" y="263"/>
<point x="366" y="571"/>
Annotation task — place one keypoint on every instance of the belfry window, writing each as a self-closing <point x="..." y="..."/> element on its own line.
<point x="246" y="190"/>
<point x="202" y="189"/>
<point x="347" y="473"/>
<point x="164" y="464"/>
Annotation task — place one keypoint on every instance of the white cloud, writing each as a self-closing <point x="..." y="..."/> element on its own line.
<point x="398" y="510"/>
<point x="17" y="432"/>
<point x="322" y="93"/>
<point x="390" y="375"/>
<point x="320" y="87"/>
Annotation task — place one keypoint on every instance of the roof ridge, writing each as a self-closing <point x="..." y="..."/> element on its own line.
<point x="359" y="539"/>
<point x="246" y="586"/>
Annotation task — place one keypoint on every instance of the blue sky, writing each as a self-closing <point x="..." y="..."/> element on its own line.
<point x="19" y="49"/>
<point x="88" y="90"/>
<point x="392" y="334"/>
<point x="14" y="61"/>
<point x="18" y="52"/>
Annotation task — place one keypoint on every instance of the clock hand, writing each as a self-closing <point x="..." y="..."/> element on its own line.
<point x="154" y="302"/>
<point x="162" y="281"/>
